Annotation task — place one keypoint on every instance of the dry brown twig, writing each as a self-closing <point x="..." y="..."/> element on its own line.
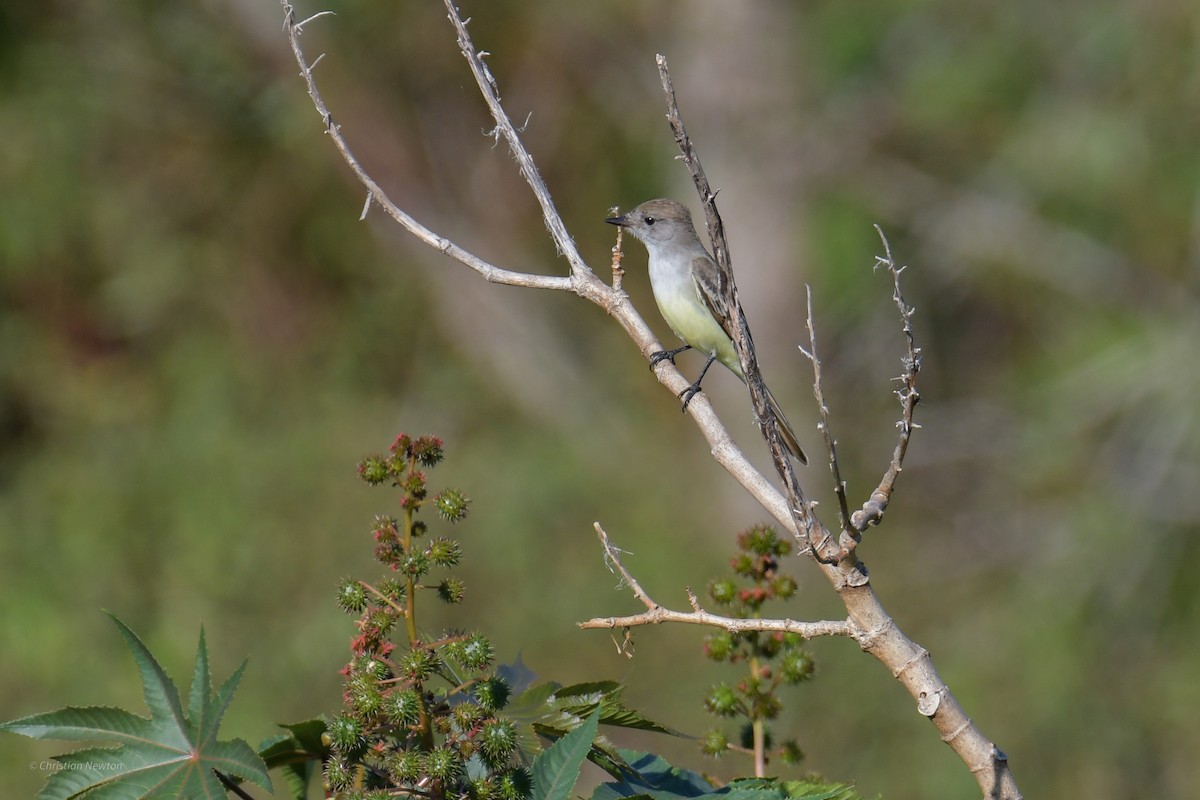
<point x="655" y="614"/>
<point x="867" y="622"/>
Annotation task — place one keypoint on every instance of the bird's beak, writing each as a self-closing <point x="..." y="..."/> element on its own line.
<point x="622" y="220"/>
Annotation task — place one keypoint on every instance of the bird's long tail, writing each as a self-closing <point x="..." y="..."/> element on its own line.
<point x="785" y="427"/>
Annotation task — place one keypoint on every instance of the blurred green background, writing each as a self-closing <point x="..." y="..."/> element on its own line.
<point x="199" y="338"/>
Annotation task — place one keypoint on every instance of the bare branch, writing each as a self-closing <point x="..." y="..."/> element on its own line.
<point x="872" y="511"/>
<point x="489" y="271"/>
<point x="618" y="271"/>
<point x="505" y="128"/>
<point x="299" y="26"/>
<point x="655" y="614"/>
<point x="839" y="485"/>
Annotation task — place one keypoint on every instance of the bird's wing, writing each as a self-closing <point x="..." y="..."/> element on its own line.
<point x="710" y="283"/>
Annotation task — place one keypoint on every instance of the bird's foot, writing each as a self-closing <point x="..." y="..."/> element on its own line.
<point x="687" y="394"/>
<point x="667" y="355"/>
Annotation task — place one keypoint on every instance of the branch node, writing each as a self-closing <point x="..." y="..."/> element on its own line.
<point x="858" y="576"/>
<point x="929" y="702"/>
<point x="920" y="655"/>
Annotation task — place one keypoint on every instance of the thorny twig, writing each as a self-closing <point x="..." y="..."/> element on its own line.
<point x="655" y="613"/>
<point x="872" y="511"/>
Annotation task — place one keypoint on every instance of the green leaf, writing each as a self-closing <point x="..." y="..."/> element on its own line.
<point x="654" y="777"/>
<point x="582" y="697"/>
<point x="298" y="754"/>
<point x="819" y="790"/>
<point x="551" y="711"/>
<point x="169" y="755"/>
<point x="556" y="770"/>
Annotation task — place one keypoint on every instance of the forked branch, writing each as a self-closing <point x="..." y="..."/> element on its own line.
<point x="655" y="613"/>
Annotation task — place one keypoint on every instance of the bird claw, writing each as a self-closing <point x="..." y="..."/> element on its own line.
<point x="667" y="355"/>
<point x="687" y="394"/>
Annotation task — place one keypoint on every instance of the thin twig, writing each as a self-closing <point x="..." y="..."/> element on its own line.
<point x="489" y="271"/>
<point x="872" y="510"/>
<point x="618" y="271"/>
<point x="655" y="613"/>
<point x="491" y="95"/>
<point x="839" y="485"/>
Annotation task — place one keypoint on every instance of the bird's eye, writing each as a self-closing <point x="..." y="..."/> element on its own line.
<point x="650" y="220"/>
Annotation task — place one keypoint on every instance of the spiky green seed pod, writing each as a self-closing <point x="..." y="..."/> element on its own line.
<point x="516" y="784"/>
<point x="444" y="552"/>
<point x="761" y="540"/>
<point x="483" y="788"/>
<point x="414" y="484"/>
<point x="497" y="742"/>
<point x="722" y="701"/>
<point x="346" y="734"/>
<point x="467" y="716"/>
<point x="381" y="619"/>
<point x="370" y="667"/>
<point x="452" y="504"/>
<point x="373" y="470"/>
<point x="385" y="529"/>
<point x="796" y="666"/>
<point x="443" y="763"/>
<point x="338" y="775"/>
<point x="363" y="696"/>
<point x="428" y="450"/>
<point x="418" y="663"/>
<point x="474" y="653"/>
<point x="415" y="565"/>
<point x="718" y="646"/>
<point x="742" y="564"/>
<point x="790" y="752"/>
<point x="405" y="766"/>
<point x="492" y="694"/>
<point x="784" y="586"/>
<point x="402" y="707"/>
<point x="393" y="590"/>
<point x="715" y="744"/>
<point x="723" y="591"/>
<point x="762" y="704"/>
<point x="351" y="596"/>
<point x="452" y="591"/>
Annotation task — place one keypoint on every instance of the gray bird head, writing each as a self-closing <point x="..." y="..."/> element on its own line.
<point x="657" y="221"/>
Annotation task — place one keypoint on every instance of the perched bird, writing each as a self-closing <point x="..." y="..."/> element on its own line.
<point x="686" y="284"/>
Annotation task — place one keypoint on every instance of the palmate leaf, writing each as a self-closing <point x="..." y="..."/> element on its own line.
<point x="556" y="769"/>
<point x="298" y="754"/>
<point x="551" y="711"/>
<point x="657" y="779"/>
<point x="169" y="755"/>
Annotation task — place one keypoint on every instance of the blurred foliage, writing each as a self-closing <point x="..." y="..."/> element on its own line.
<point x="198" y="337"/>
